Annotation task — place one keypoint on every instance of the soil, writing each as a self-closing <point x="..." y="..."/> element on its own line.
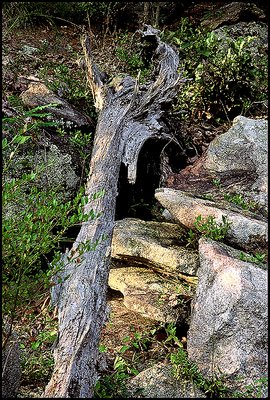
<point x="122" y="323"/>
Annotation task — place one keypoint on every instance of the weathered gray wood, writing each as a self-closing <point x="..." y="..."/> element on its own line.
<point x="129" y="114"/>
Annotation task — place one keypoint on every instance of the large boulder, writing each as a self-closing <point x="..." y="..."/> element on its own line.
<point x="257" y="32"/>
<point x="243" y="148"/>
<point x="232" y="13"/>
<point x="153" y="269"/>
<point x="57" y="170"/>
<point x="228" y="330"/>
<point x="57" y="173"/>
<point x="237" y="159"/>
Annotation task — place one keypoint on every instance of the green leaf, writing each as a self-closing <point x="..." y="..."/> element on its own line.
<point x="33" y="175"/>
<point x="102" y="348"/>
<point x="35" y="345"/>
<point x="20" y="139"/>
<point x="124" y="348"/>
<point x="4" y="143"/>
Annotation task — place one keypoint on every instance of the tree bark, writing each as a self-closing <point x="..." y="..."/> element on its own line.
<point x="129" y="114"/>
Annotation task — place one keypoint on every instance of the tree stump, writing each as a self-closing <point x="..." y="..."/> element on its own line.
<point x="129" y="115"/>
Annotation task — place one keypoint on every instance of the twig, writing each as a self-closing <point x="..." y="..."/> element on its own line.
<point x="225" y="111"/>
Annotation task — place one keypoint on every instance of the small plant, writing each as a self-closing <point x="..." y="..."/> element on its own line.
<point x="81" y="140"/>
<point x="256" y="389"/>
<point x="192" y="239"/>
<point x="172" y="338"/>
<point x="127" y="362"/>
<point x="210" y="228"/>
<point x="37" y="367"/>
<point x="44" y="338"/>
<point x="184" y="369"/>
<point x="15" y="101"/>
<point x="257" y="258"/>
<point x="240" y="201"/>
<point x="114" y="384"/>
<point x="35" y="344"/>
<point x="216" y="182"/>
<point x="140" y="342"/>
<point x="207" y="196"/>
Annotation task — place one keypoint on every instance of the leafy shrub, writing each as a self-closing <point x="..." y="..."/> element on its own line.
<point x="257" y="258"/>
<point x="225" y="79"/>
<point x="37" y="367"/>
<point x="257" y="389"/>
<point x="184" y="369"/>
<point x="128" y="360"/>
<point x="240" y="201"/>
<point x="210" y="228"/>
<point x="207" y="227"/>
<point x="34" y="220"/>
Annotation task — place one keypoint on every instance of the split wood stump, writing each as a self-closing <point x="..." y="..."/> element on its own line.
<point x="130" y="113"/>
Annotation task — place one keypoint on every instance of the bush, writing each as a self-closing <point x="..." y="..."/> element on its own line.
<point x="225" y="79"/>
<point x="34" y="222"/>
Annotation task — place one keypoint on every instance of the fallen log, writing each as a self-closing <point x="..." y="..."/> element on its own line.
<point x="129" y="114"/>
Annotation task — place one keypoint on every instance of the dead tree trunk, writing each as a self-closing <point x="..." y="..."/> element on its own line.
<point x="129" y="114"/>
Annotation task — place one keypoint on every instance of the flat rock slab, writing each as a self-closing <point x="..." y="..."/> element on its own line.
<point x="245" y="232"/>
<point x="158" y="382"/>
<point x="150" y="294"/>
<point x="159" y="245"/>
<point x="228" y="327"/>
